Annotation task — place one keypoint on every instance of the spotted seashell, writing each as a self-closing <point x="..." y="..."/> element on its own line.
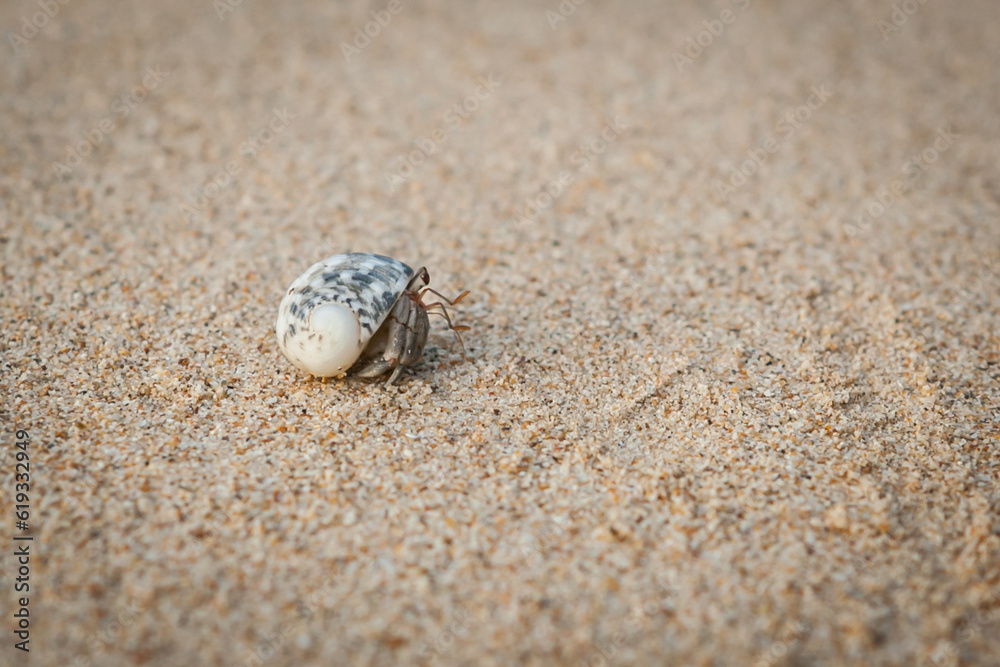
<point x="330" y="313"/>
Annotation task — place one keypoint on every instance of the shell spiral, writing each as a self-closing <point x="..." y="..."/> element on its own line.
<point x="331" y="311"/>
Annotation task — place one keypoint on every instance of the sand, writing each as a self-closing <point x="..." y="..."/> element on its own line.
<point x="732" y="394"/>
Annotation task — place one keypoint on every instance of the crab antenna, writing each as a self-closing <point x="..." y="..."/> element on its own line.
<point x="444" y="313"/>
<point x="455" y="329"/>
<point x="450" y="302"/>
<point x="452" y="327"/>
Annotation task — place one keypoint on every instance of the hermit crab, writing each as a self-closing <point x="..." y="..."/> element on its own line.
<point x="359" y="313"/>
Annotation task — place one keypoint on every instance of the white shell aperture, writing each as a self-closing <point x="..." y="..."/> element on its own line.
<point x="330" y="312"/>
<point x="335" y="346"/>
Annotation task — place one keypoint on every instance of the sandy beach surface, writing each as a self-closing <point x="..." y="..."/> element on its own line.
<point x="733" y="386"/>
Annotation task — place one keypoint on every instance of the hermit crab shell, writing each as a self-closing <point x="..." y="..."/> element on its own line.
<point x="331" y="312"/>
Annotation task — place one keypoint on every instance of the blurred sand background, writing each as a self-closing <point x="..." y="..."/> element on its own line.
<point x="698" y="426"/>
